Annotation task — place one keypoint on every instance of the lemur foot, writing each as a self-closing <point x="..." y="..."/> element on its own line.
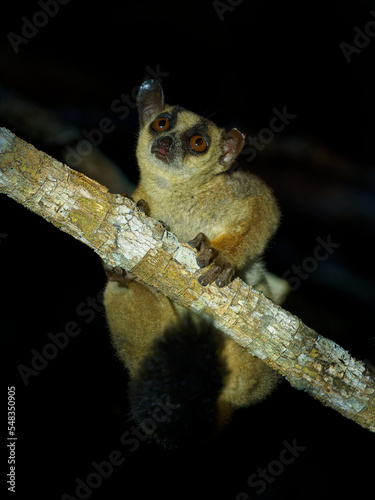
<point x="220" y="271"/>
<point x="117" y="273"/>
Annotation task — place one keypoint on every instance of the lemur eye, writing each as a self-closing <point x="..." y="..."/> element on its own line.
<point x="161" y="124"/>
<point x="198" y="143"/>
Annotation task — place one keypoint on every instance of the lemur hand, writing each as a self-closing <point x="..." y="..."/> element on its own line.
<point x="221" y="271"/>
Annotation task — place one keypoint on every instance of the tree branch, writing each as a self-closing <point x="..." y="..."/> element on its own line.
<point x="111" y="225"/>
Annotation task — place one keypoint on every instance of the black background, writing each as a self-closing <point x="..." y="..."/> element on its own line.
<point x="262" y="55"/>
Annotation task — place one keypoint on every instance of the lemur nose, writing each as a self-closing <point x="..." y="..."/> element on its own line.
<point x="165" y="143"/>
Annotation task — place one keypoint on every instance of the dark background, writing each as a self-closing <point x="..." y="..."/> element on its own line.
<point x="262" y="55"/>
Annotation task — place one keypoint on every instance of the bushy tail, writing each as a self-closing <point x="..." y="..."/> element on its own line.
<point x="174" y="397"/>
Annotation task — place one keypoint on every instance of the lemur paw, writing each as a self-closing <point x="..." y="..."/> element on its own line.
<point x="220" y="271"/>
<point x="117" y="273"/>
<point x="144" y="208"/>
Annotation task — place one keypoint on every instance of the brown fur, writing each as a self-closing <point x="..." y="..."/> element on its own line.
<point x="194" y="193"/>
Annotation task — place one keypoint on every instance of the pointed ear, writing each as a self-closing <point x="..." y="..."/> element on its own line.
<point x="150" y="100"/>
<point x="233" y="143"/>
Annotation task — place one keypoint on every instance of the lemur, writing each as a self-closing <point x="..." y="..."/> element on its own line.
<point x="228" y="216"/>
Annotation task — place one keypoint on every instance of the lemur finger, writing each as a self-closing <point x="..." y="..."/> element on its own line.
<point x="210" y="276"/>
<point x="226" y="276"/>
<point x="214" y="272"/>
<point x="116" y="273"/>
<point x="142" y="206"/>
<point x="205" y="253"/>
<point x="206" y="256"/>
<point x="199" y="241"/>
<point x="165" y="226"/>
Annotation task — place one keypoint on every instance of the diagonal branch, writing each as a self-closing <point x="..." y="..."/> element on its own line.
<point x="111" y="225"/>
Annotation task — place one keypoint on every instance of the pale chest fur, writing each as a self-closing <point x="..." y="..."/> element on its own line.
<point x="187" y="215"/>
<point x="209" y="210"/>
<point x="221" y="205"/>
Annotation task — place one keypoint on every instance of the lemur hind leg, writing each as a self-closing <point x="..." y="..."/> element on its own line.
<point x="137" y="315"/>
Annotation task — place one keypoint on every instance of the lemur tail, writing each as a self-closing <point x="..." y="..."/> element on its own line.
<point x="174" y="398"/>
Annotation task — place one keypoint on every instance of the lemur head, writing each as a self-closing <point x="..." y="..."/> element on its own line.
<point x="178" y="142"/>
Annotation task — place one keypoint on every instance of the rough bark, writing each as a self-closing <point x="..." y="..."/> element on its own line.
<point x="122" y="236"/>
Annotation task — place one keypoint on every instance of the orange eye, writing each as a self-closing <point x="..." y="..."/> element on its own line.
<point x="198" y="143"/>
<point x="161" y="124"/>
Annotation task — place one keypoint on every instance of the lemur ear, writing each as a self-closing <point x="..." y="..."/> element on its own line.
<point x="233" y="143"/>
<point x="150" y="100"/>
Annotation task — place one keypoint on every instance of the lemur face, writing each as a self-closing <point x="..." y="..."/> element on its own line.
<point x="174" y="139"/>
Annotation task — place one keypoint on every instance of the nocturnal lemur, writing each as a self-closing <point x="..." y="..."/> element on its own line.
<point x="228" y="216"/>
